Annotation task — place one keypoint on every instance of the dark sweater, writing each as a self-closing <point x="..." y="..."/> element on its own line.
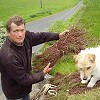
<point x="15" y="64"/>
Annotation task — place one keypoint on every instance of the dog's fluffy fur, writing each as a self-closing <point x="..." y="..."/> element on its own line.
<point x="88" y="63"/>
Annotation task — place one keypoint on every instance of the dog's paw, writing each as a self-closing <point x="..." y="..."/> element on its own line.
<point x="84" y="81"/>
<point x="90" y="85"/>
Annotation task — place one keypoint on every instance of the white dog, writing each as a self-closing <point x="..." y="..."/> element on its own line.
<point x="88" y="63"/>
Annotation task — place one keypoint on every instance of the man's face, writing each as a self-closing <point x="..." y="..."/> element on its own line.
<point x="17" y="33"/>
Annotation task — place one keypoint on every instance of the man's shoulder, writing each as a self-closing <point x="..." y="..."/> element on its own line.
<point x="30" y="36"/>
<point x="6" y="52"/>
<point x="28" y="33"/>
<point x="7" y="55"/>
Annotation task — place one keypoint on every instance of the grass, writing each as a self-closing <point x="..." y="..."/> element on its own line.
<point x="65" y="65"/>
<point x="89" y="18"/>
<point x="30" y="9"/>
<point x="91" y="95"/>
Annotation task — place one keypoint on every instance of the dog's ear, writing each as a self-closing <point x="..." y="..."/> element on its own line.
<point x="92" y="57"/>
<point x="75" y="58"/>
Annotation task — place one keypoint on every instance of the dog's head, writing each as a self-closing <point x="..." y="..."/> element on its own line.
<point x="85" y="64"/>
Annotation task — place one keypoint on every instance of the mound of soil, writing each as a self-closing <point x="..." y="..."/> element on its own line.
<point x="67" y="85"/>
<point x="71" y="83"/>
<point x="71" y="42"/>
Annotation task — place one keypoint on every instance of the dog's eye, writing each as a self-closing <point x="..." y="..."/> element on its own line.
<point x="88" y="68"/>
<point x="80" y="69"/>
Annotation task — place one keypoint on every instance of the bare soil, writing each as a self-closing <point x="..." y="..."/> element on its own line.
<point x="67" y="85"/>
<point x="72" y="83"/>
<point x="71" y="42"/>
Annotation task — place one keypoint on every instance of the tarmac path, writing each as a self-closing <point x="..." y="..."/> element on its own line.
<point x="43" y="25"/>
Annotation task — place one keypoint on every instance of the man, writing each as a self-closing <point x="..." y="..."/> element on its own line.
<point x="15" y="59"/>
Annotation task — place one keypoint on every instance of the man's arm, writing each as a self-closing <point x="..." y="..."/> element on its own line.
<point x="41" y="37"/>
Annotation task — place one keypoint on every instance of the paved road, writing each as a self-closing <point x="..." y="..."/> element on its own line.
<point x="44" y="24"/>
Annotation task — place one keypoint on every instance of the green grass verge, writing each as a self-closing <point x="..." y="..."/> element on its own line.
<point x="90" y="17"/>
<point x="31" y="10"/>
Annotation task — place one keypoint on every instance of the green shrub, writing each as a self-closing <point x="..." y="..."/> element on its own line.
<point x="2" y="33"/>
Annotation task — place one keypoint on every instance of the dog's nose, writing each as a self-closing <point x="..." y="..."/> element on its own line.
<point x="85" y="78"/>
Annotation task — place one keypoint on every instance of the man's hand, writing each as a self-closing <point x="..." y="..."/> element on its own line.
<point x="63" y="33"/>
<point x="47" y="69"/>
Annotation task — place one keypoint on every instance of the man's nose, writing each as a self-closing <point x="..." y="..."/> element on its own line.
<point x="20" y="33"/>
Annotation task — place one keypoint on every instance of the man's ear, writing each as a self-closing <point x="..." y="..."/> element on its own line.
<point x="8" y="33"/>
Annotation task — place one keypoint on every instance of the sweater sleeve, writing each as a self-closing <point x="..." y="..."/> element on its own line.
<point x="18" y="73"/>
<point x="41" y="37"/>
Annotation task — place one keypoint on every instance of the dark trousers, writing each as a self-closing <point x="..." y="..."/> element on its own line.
<point x="27" y="97"/>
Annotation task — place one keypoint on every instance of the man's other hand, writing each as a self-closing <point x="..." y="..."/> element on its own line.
<point x="47" y="69"/>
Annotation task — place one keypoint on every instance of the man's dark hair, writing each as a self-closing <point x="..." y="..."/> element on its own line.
<point x="16" y="20"/>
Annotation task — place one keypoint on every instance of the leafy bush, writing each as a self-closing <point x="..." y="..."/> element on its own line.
<point x="40" y="13"/>
<point x="2" y="33"/>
